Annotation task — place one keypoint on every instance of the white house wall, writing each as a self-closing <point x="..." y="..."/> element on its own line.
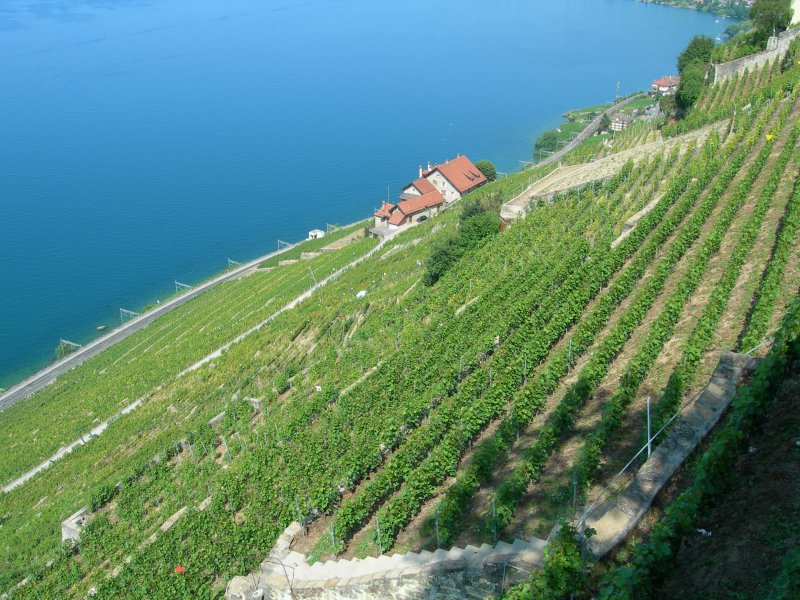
<point x="444" y="187"/>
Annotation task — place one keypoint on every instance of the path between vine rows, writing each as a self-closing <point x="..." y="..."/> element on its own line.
<point x="549" y="492"/>
<point x="725" y="337"/>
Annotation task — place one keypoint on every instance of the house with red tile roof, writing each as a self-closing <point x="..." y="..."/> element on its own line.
<point x="454" y="178"/>
<point x="425" y="205"/>
<point x="666" y="86"/>
<point x="436" y="187"/>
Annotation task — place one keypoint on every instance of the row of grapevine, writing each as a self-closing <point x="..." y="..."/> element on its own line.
<point x="758" y="319"/>
<point x="710" y="474"/>
<point x="702" y="334"/>
<point x="662" y="328"/>
<point x="560" y="421"/>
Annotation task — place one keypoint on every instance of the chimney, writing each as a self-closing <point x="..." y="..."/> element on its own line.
<point x="420" y="171"/>
<point x="429" y="165"/>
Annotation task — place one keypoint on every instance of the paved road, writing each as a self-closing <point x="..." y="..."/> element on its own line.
<point x="588" y="130"/>
<point x="49" y="374"/>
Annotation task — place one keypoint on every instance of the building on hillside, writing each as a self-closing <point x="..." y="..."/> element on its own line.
<point x="436" y="187"/>
<point x="666" y="86"/>
<point x="453" y="179"/>
<point x="416" y="209"/>
<point x="620" y="121"/>
<point x="315" y="234"/>
<point x="383" y="213"/>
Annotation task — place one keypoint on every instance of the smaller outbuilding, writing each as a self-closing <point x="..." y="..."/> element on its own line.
<point x="316" y="234"/>
<point x="72" y="526"/>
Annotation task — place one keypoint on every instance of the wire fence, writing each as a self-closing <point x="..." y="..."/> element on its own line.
<point x="605" y="492"/>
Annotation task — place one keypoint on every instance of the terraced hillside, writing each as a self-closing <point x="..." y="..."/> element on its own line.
<point x="480" y="407"/>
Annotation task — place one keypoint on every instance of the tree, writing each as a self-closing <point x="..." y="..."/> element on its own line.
<point x="698" y="50"/>
<point x="475" y="229"/>
<point x="470" y="208"/>
<point x="605" y="122"/>
<point x="667" y="104"/>
<point x="546" y="142"/>
<point x="487" y="168"/>
<point x="443" y="256"/>
<point x="692" y="84"/>
<point x="771" y="16"/>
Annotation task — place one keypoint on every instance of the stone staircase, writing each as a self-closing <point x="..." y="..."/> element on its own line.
<point x="471" y="572"/>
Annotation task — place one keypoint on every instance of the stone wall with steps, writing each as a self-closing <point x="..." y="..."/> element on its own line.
<point x="615" y="519"/>
<point x="483" y="572"/>
<point x="471" y="572"/>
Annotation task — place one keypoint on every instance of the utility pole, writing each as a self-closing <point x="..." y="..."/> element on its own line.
<point x="649" y="448"/>
<point x="126" y="313"/>
<point x="378" y="531"/>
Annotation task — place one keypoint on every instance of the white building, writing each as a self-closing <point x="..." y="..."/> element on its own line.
<point x="436" y="187"/>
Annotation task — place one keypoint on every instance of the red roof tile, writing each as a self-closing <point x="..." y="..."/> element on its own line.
<point x="460" y="171"/>
<point x="385" y="210"/>
<point x="667" y="81"/>
<point x="424" y="186"/>
<point x="397" y="218"/>
<point x="420" y="203"/>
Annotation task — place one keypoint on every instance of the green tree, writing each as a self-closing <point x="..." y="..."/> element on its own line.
<point x="692" y="84"/>
<point x="443" y="256"/>
<point x="487" y="168"/>
<point x="470" y="208"/>
<point x="667" y="104"/>
<point x="698" y="50"/>
<point x="771" y="16"/>
<point x="476" y="224"/>
<point x="546" y="142"/>
<point x="475" y="229"/>
<point x="605" y="123"/>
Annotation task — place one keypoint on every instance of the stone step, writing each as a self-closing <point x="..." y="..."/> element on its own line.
<point x="440" y="554"/>
<point x="455" y="553"/>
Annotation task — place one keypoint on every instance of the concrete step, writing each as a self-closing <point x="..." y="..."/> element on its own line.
<point x="440" y="554"/>
<point x="455" y="553"/>
<point x="520" y="545"/>
<point x="503" y="548"/>
<point x="412" y="559"/>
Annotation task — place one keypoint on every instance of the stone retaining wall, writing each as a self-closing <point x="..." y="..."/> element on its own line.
<point x="776" y="46"/>
<point x="614" y="520"/>
<point x="471" y="572"/>
<point x="483" y="572"/>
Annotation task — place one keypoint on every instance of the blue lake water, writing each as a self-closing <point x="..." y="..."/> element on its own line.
<point x="147" y="141"/>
